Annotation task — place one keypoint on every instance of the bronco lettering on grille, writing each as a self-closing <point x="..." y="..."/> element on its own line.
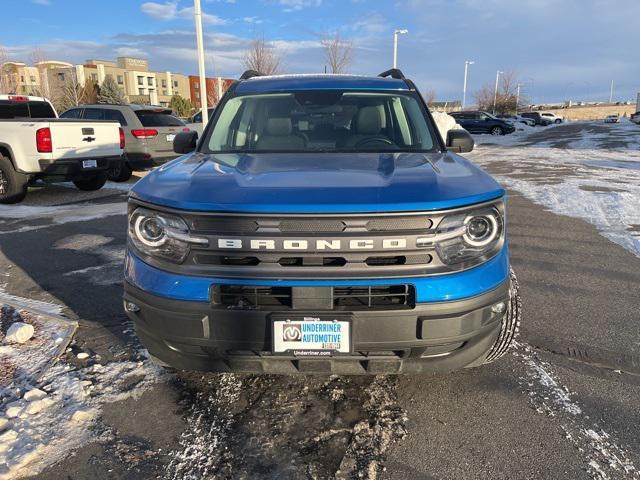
<point x="303" y="245"/>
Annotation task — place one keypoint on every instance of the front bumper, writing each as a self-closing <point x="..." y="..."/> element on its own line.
<point x="442" y="332"/>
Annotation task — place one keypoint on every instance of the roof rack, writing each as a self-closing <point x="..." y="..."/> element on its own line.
<point x="250" y="74"/>
<point x="393" y="73"/>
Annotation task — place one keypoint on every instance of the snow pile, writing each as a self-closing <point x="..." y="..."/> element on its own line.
<point x="45" y="410"/>
<point x="445" y="122"/>
<point x="19" y="332"/>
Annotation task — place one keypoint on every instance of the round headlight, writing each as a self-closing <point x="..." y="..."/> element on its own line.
<point x="480" y="230"/>
<point x="150" y="230"/>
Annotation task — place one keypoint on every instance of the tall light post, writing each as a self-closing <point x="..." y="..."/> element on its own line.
<point x="518" y="96"/>
<point x="464" y="88"/>
<point x="495" y="93"/>
<point x="197" y="14"/>
<point x="401" y="31"/>
<point x="611" y="93"/>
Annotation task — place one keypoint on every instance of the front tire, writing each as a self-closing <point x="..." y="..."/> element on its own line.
<point x="120" y="173"/>
<point x="558" y="121"/>
<point x="94" y="182"/>
<point x="510" y="327"/>
<point x="13" y="185"/>
<point x="496" y="131"/>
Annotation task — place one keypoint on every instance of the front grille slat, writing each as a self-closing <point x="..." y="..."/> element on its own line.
<point x="358" y="298"/>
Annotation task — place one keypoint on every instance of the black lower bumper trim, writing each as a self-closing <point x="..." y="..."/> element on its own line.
<point x="73" y="169"/>
<point x="432" y="337"/>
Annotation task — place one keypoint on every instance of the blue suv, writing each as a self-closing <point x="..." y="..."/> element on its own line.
<point x="321" y="224"/>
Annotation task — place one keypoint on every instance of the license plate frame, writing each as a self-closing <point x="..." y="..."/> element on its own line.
<point x="280" y="346"/>
<point x="89" y="164"/>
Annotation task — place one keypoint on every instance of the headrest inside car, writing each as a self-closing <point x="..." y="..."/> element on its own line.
<point x="279" y="127"/>
<point x="369" y="121"/>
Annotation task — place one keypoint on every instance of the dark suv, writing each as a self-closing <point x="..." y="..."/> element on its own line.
<point x="482" y="122"/>
<point x="149" y="132"/>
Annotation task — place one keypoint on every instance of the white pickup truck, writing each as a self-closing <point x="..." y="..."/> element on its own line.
<point x="37" y="145"/>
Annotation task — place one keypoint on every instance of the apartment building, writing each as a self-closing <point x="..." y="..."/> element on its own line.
<point x="19" y="78"/>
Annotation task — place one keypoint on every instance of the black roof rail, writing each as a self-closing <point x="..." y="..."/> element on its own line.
<point x="393" y="73"/>
<point x="250" y="74"/>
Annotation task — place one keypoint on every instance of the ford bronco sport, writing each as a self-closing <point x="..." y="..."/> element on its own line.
<point x="320" y="225"/>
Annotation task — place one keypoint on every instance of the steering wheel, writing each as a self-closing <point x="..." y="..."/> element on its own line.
<point x="366" y="141"/>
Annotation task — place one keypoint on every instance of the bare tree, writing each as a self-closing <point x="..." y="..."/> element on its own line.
<point x="38" y="56"/>
<point x="262" y="57"/>
<point x="67" y="92"/>
<point x="337" y="52"/>
<point x="506" y="97"/>
<point x="429" y="96"/>
<point x="8" y="80"/>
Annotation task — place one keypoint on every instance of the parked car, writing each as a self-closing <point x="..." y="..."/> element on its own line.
<point x="612" y="119"/>
<point x="538" y="118"/>
<point x="321" y="225"/>
<point x="195" y="122"/>
<point x="35" y="144"/>
<point x="635" y="118"/>
<point x="482" y="122"/>
<point x="554" y="118"/>
<point x="513" y="119"/>
<point x="149" y="133"/>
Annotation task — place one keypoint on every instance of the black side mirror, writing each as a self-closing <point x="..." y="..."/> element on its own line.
<point x="185" y="142"/>
<point x="459" y="141"/>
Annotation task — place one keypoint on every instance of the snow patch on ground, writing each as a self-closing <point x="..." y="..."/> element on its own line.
<point x="109" y="258"/>
<point x="57" y="215"/>
<point x="40" y="427"/>
<point x="602" y="455"/>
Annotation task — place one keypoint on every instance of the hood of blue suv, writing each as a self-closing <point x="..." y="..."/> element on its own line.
<point x="317" y="183"/>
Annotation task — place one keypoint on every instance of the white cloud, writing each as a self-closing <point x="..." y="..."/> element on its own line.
<point x="296" y="5"/>
<point x="170" y="11"/>
<point x="41" y="2"/>
<point x="252" y="20"/>
<point x="160" y="11"/>
<point x="372" y="23"/>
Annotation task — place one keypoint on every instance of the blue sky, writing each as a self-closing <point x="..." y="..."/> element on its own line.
<point x="559" y="48"/>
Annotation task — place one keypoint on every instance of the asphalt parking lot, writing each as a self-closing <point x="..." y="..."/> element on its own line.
<point x="564" y="404"/>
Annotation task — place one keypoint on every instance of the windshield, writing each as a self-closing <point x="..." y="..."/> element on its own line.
<point x="321" y="121"/>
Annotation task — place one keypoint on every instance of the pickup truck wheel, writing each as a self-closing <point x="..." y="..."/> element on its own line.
<point x="89" y="184"/>
<point x="121" y="173"/>
<point x="13" y="185"/>
<point x="510" y="323"/>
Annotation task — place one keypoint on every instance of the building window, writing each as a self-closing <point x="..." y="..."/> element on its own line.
<point x="197" y="94"/>
<point x="164" y="84"/>
<point x="164" y="92"/>
<point x="196" y="86"/>
<point x="150" y="81"/>
<point x="33" y="79"/>
<point x="120" y="79"/>
<point x="140" y="80"/>
<point x="94" y="77"/>
<point x="61" y="76"/>
<point x="175" y="83"/>
<point x="21" y="78"/>
<point x="141" y="91"/>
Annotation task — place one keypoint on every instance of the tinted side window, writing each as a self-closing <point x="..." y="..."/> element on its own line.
<point x="115" y="115"/>
<point x="9" y="109"/>
<point x="158" y="119"/>
<point x="73" y="113"/>
<point x="93" y="114"/>
<point x="41" y="110"/>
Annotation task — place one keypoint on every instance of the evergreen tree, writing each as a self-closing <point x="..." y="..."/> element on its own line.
<point x="181" y="106"/>
<point x="110" y="93"/>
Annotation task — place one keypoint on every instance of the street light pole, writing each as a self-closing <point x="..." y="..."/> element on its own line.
<point x="611" y="93"/>
<point x="464" y="88"/>
<point x="518" y="96"/>
<point x="495" y="93"/>
<point x="397" y="32"/>
<point x="197" y="14"/>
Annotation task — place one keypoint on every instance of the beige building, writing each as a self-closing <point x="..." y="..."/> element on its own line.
<point x="132" y="75"/>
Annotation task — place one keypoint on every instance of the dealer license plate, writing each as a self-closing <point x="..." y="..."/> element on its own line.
<point x="311" y="336"/>
<point x="89" y="164"/>
<point x="170" y="137"/>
